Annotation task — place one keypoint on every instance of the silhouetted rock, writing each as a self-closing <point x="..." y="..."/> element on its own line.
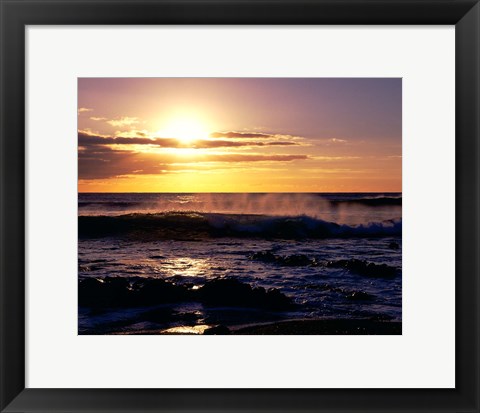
<point x="141" y="292"/>
<point x="368" y="269"/>
<point x="264" y="256"/>
<point x="90" y="291"/>
<point x="217" y="330"/>
<point x="329" y="327"/>
<point x="233" y="293"/>
<point x="124" y="292"/>
<point x="157" y="291"/>
<point x="109" y="292"/>
<point x="359" y="296"/>
<point x="295" y="260"/>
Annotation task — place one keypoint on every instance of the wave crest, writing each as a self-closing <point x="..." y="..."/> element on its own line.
<point x="196" y="225"/>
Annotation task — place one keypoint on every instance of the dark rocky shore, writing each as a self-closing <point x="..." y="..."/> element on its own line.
<point x="324" y="327"/>
<point x="122" y="292"/>
<point x="294" y="327"/>
<point x="104" y="294"/>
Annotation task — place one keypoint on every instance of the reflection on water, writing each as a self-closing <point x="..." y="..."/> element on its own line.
<point x="199" y="329"/>
<point x="185" y="267"/>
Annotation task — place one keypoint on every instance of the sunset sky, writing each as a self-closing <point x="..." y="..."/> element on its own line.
<point x="240" y="135"/>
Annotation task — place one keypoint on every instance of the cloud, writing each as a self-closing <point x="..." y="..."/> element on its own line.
<point x="236" y="144"/>
<point x="123" y="121"/>
<point x="133" y="133"/>
<point x="106" y="156"/>
<point x="335" y="158"/>
<point x="97" y="118"/>
<point x="105" y="162"/>
<point x="83" y="110"/>
<point x="335" y="140"/>
<point x="241" y="157"/>
<point x="240" y="135"/>
<point x="85" y="139"/>
<point x="98" y="159"/>
<point x="266" y="139"/>
<point x="280" y="143"/>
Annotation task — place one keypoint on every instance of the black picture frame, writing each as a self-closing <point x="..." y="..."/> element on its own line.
<point x="17" y="14"/>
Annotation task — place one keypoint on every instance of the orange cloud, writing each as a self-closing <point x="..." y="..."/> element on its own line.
<point x="86" y="139"/>
<point x="83" y="110"/>
<point x="123" y="121"/>
<point x="99" y="157"/>
<point x="240" y="135"/>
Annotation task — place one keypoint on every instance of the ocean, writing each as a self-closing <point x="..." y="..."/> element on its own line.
<point x="152" y="263"/>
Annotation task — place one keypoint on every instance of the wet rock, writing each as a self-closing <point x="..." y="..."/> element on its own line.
<point x="125" y="292"/>
<point x="90" y="291"/>
<point x="359" y="296"/>
<point x="233" y="293"/>
<point x="264" y="256"/>
<point x="139" y="292"/>
<point x="109" y="292"/>
<point x="294" y="260"/>
<point x="217" y="330"/>
<point x="297" y="260"/>
<point x="328" y="327"/>
<point x="368" y="269"/>
<point x="348" y="294"/>
<point x="157" y="291"/>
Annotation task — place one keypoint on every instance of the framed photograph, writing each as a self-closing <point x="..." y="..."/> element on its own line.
<point x="239" y="206"/>
<point x="237" y="251"/>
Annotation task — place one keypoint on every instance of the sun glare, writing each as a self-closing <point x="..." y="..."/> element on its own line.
<point x="186" y="130"/>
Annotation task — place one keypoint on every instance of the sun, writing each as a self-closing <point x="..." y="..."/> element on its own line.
<point x="185" y="129"/>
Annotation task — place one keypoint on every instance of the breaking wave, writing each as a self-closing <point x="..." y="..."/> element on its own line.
<point x="198" y="225"/>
